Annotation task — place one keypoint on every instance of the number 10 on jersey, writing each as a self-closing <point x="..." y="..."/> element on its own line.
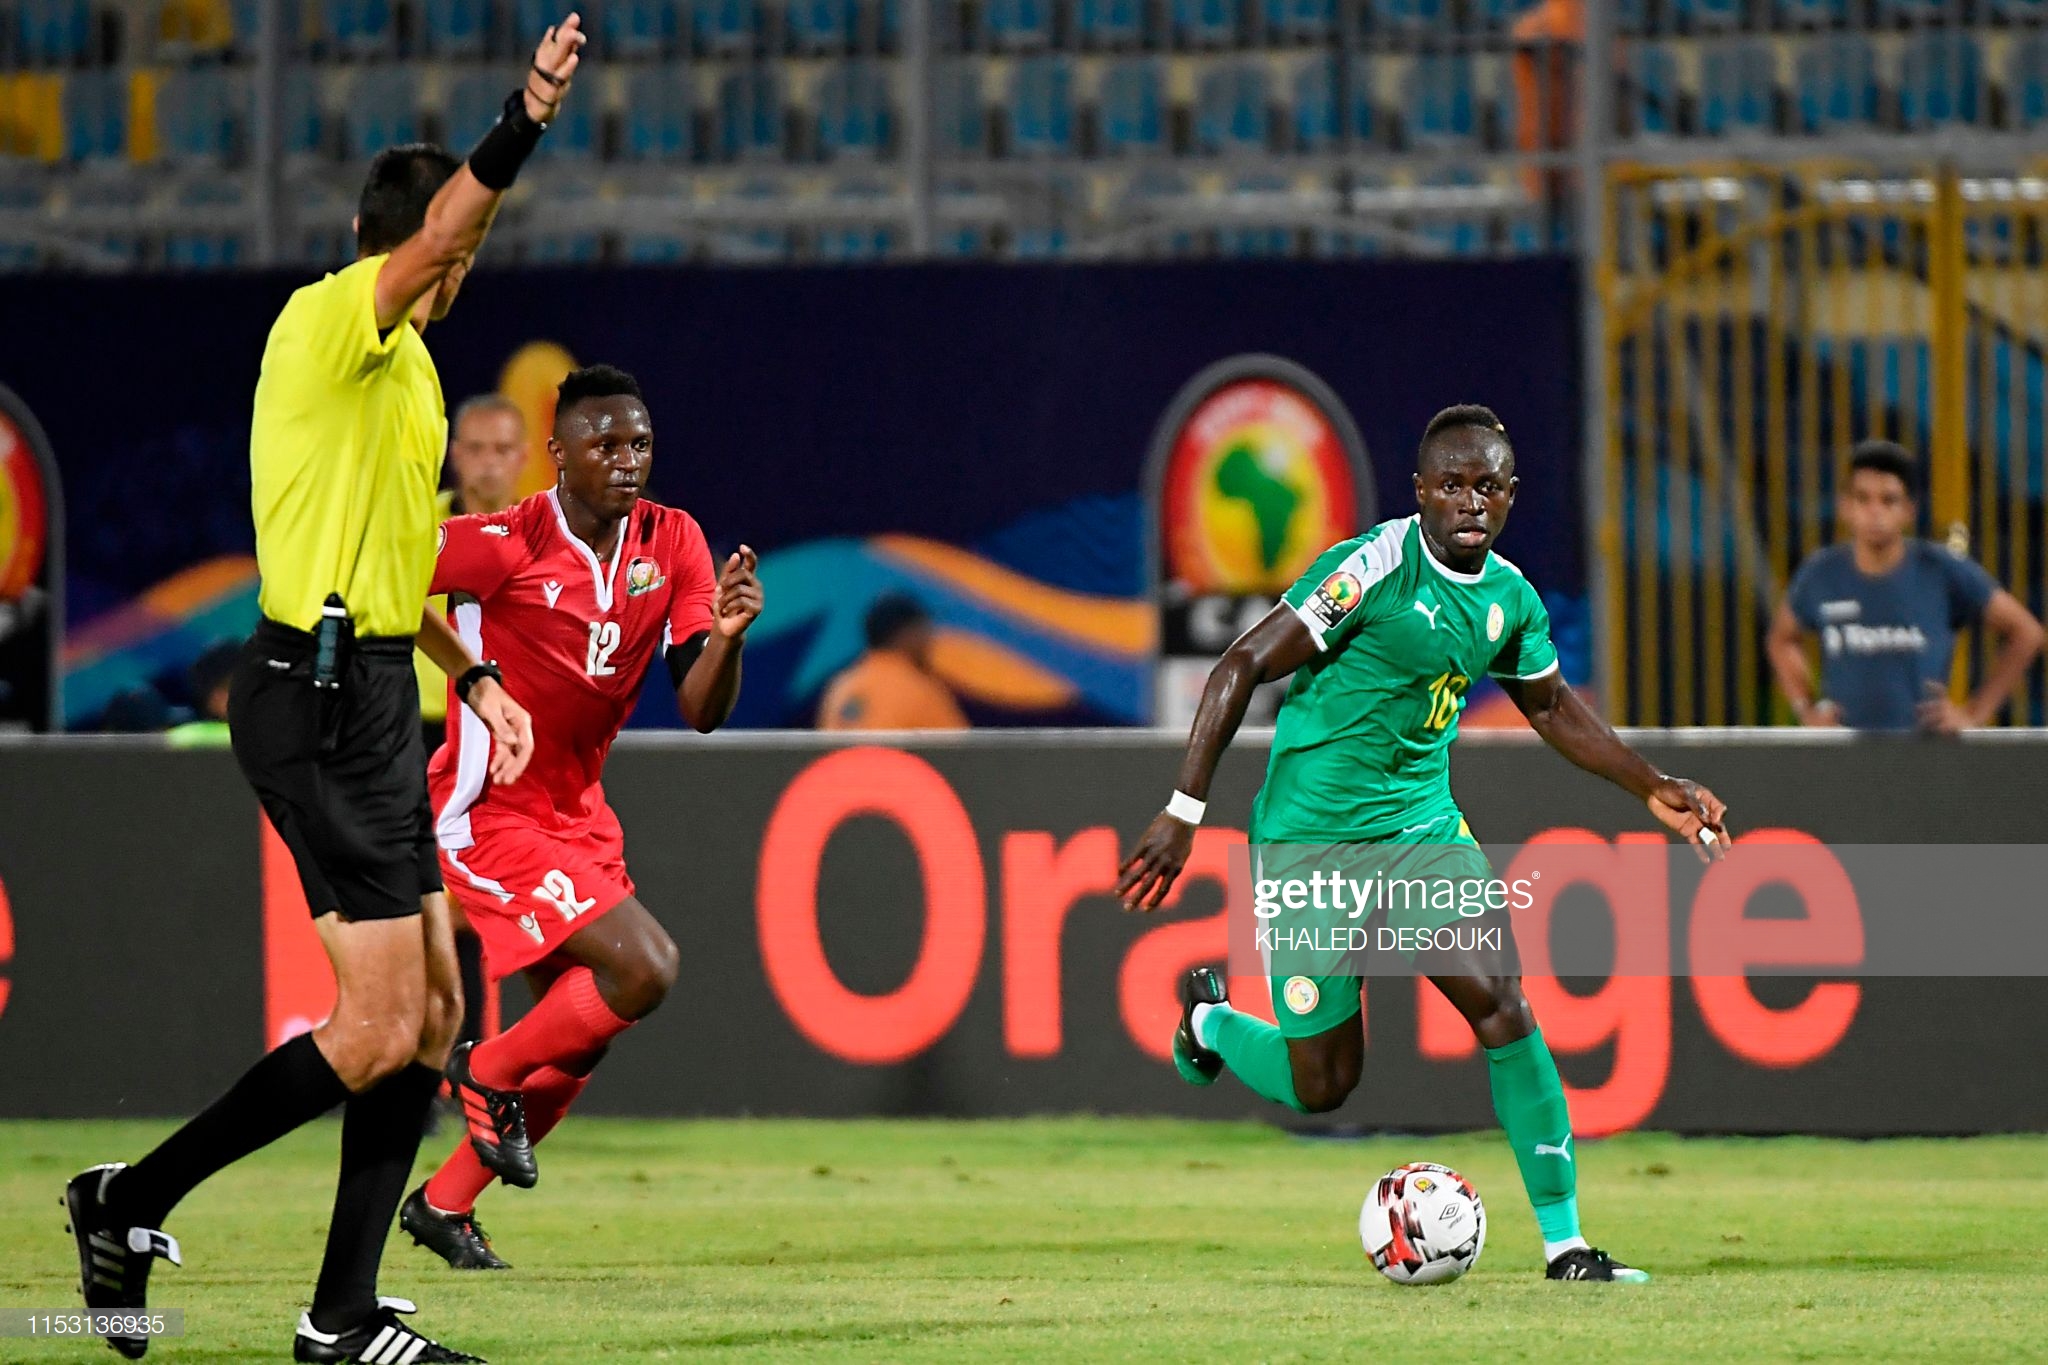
<point x="1444" y="691"/>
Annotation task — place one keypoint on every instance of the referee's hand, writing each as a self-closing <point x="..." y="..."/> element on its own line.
<point x="510" y="726"/>
<point x="554" y="62"/>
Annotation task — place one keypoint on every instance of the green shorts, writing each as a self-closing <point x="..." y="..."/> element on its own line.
<point x="1306" y="1005"/>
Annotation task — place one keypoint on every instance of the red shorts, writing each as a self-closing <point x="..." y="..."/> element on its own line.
<point x="525" y="891"/>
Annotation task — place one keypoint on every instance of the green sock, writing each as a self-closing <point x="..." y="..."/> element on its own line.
<point x="1529" y="1099"/>
<point x="1255" y="1051"/>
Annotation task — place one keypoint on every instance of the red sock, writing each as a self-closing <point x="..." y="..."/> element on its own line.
<point x="571" y="1020"/>
<point x="548" y="1093"/>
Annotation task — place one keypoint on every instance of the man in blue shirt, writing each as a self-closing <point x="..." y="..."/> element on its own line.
<point x="1887" y="606"/>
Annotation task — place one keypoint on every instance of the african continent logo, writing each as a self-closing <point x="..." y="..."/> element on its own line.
<point x="1257" y="486"/>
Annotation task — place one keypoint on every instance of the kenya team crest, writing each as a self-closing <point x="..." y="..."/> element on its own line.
<point x="643" y="575"/>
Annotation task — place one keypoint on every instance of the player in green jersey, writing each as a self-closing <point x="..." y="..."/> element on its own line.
<point x="1382" y="636"/>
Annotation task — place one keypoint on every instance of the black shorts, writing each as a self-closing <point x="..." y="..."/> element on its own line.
<point x="341" y="774"/>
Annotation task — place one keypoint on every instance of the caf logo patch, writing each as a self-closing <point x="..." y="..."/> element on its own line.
<point x="1300" y="994"/>
<point x="1496" y="621"/>
<point x="1422" y="1184"/>
<point x="643" y="575"/>
<point x="1334" y="600"/>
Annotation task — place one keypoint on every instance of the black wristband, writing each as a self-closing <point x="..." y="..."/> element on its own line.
<point x="473" y="676"/>
<point x="497" y="158"/>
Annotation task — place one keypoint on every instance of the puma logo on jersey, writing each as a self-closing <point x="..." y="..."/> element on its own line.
<point x="1545" y="1149"/>
<point x="553" y="591"/>
<point x="497" y="530"/>
<point x="1430" y="612"/>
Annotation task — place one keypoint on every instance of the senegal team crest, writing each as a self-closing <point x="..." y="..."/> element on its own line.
<point x="1261" y="477"/>
<point x="642" y="575"/>
<point x="1300" y="994"/>
<point x="1496" y="621"/>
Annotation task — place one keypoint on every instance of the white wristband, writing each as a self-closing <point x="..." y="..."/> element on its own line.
<point x="1185" y="808"/>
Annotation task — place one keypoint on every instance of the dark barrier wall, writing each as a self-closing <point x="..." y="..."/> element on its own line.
<point x="869" y="930"/>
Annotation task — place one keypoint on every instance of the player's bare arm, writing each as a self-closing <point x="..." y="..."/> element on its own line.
<point x="433" y="260"/>
<point x="510" y="725"/>
<point x="1786" y="644"/>
<point x="1269" y="651"/>
<point x="1582" y="735"/>
<point x="711" y="685"/>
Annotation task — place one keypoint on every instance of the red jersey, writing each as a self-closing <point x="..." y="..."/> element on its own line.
<point x="574" y="636"/>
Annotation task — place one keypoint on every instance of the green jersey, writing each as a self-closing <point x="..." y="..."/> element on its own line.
<point x="1361" y="750"/>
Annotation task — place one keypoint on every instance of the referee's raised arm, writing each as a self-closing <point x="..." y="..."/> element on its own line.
<point x="433" y="260"/>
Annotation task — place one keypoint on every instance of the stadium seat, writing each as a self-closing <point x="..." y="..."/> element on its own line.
<point x="959" y="119"/>
<point x="1205" y="23"/>
<point x="656" y="248"/>
<point x="1455" y="231"/>
<point x="725" y="26"/>
<point x="1836" y="82"/>
<point x="1315" y="115"/>
<point x="1653" y="69"/>
<point x="1818" y="13"/>
<point x="216" y="246"/>
<point x="305" y="122"/>
<point x="1709" y="13"/>
<point x="1110" y="23"/>
<point x="383" y="111"/>
<point x="1017" y="25"/>
<point x="639" y="28"/>
<point x="356" y="28"/>
<point x="564" y="248"/>
<point x="1131" y="116"/>
<point x="866" y="238"/>
<point x="199" y="115"/>
<point x="1737" y="88"/>
<point x="767" y="242"/>
<point x="95" y="115"/>
<point x="573" y="134"/>
<point x="1408" y="13"/>
<point x="750" y="113"/>
<point x="1233" y="109"/>
<point x="1251" y="241"/>
<point x="1438" y="104"/>
<point x="2026" y="80"/>
<point x="185" y="27"/>
<point x="659" y="115"/>
<point x="822" y="25"/>
<point x="1042" y="107"/>
<point x="1147" y="197"/>
<point x="52" y="32"/>
<point x="1038" y="242"/>
<point x="853" y="110"/>
<point x="457" y="28"/>
<point x="1941" y="80"/>
<point x="1299" y="20"/>
<point x="472" y="106"/>
<point x="2021" y="11"/>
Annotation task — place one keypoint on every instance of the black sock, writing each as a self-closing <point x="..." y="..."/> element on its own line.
<point x="291" y="1085"/>
<point x="469" y="956"/>
<point x="380" y="1136"/>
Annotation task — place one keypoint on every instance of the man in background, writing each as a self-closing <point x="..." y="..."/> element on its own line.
<point x="1887" y="606"/>
<point x="892" y="686"/>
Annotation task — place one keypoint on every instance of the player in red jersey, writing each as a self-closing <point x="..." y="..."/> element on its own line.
<point x="571" y="593"/>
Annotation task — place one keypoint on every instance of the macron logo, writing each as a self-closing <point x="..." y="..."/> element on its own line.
<point x="497" y="530"/>
<point x="553" y="590"/>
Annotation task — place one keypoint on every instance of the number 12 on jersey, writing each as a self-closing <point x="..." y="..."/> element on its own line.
<point x="1444" y="691"/>
<point x="604" y="638"/>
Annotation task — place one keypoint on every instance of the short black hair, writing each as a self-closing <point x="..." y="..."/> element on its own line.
<point x="402" y="182"/>
<point x="1887" y="457"/>
<point x="1461" y="415"/>
<point x="891" y="615"/>
<point x="594" y="381"/>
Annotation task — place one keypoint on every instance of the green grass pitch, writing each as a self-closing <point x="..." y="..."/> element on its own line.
<point x="1099" y="1239"/>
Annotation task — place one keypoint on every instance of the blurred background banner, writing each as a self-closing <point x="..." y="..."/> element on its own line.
<point x="879" y="930"/>
<point x="977" y="436"/>
<point x="31" y="572"/>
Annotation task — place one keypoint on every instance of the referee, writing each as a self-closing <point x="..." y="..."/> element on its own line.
<point x="345" y="456"/>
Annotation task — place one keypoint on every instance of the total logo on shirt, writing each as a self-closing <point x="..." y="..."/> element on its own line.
<point x="1857" y="639"/>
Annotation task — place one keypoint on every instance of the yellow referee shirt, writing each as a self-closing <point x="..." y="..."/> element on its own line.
<point x="345" y="459"/>
<point x="433" y="682"/>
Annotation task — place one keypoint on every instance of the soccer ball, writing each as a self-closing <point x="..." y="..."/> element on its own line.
<point x="1423" y="1224"/>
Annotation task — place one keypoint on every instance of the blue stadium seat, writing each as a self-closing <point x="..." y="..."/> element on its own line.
<point x="1205" y="23"/>
<point x="1300" y="20"/>
<point x="1038" y="242"/>
<point x="1438" y="103"/>
<point x="95" y="115"/>
<point x="1017" y="25"/>
<point x="725" y="25"/>
<point x="383" y="111"/>
<point x="657" y="248"/>
<point x="457" y="28"/>
<point x="2026" y="80"/>
<point x="1737" y="85"/>
<point x="959" y="118"/>
<point x="1253" y="241"/>
<point x="1316" y="126"/>
<point x="853" y="110"/>
<point x="659" y="122"/>
<point x="573" y="134"/>
<point x="822" y="25"/>
<point x="638" y="28"/>
<point x="750" y="113"/>
<point x="1813" y="12"/>
<point x="766" y="242"/>
<point x="565" y="248"/>
<point x="1654" y="72"/>
<point x="1409" y="13"/>
<point x="305" y="122"/>
<point x="199" y="115"/>
<point x="865" y="238"/>
<point x="1149" y="192"/>
<point x="1132" y="114"/>
<point x="1459" y="232"/>
<point x="1110" y="23"/>
<point x="1042" y="107"/>
<point x="1710" y="13"/>
<point x="209" y="247"/>
<point x="1941" y="80"/>
<point x="472" y="107"/>
<point x="1836" y="82"/>
<point x="2021" y="10"/>
<point x="250" y="14"/>
<point x="1233" y="109"/>
<point x="356" y="28"/>
<point x="52" y="32"/>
